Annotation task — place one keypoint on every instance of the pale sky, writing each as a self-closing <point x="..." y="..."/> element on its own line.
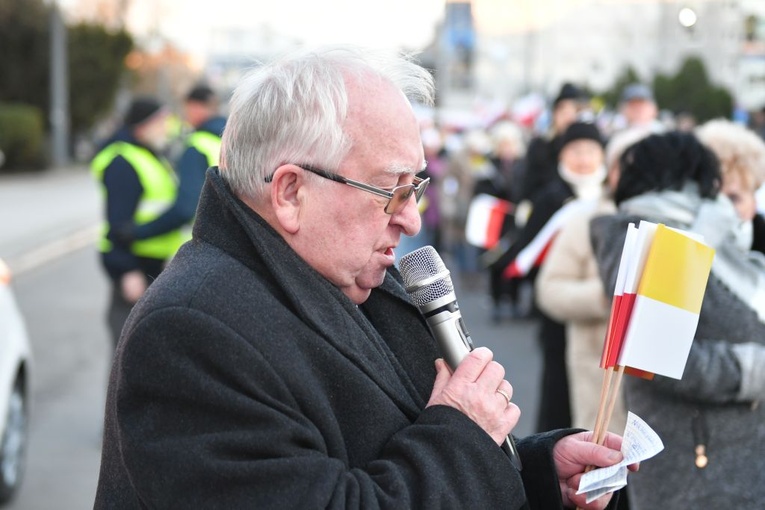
<point x="378" y="23"/>
<point x="194" y="25"/>
<point x="191" y="23"/>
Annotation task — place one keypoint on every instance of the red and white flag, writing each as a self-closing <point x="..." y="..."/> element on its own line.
<point x="486" y="216"/>
<point x="534" y="253"/>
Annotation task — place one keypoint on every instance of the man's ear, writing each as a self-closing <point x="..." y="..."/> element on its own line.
<point x="286" y="196"/>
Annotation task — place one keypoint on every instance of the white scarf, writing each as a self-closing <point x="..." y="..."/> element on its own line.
<point x="584" y="186"/>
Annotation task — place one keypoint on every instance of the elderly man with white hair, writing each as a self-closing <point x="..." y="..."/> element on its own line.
<point x="278" y="361"/>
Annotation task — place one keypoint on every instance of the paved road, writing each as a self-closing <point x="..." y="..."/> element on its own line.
<point x="46" y="237"/>
<point x="62" y="292"/>
<point x="46" y="213"/>
<point x="63" y="303"/>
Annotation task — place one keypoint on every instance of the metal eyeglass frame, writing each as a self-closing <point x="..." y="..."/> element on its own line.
<point x="418" y="186"/>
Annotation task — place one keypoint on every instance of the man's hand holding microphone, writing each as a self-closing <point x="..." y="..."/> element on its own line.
<point x="472" y="382"/>
<point x="478" y="389"/>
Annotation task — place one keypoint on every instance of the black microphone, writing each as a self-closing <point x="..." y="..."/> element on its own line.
<point x="430" y="288"/>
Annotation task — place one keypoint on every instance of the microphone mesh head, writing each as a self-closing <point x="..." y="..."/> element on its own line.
<point x="419" y="266"/>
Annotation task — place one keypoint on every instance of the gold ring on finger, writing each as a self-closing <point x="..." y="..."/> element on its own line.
<point x="504" y="394"/>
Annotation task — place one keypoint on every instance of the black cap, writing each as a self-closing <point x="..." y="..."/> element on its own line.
<point x="201" y="94"/>
<point x="568" y="91"/>
<point x="140" y="110"/>
<point x="580" y="130"/>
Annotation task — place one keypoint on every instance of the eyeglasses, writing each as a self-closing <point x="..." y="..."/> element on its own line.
<point x="397" y="196"/>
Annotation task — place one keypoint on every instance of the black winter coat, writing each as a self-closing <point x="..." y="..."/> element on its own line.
<point x="244" y="379"/>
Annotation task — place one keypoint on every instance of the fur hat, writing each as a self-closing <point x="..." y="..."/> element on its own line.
<point x="140" y="110"/>
<point x="580" y="130"/>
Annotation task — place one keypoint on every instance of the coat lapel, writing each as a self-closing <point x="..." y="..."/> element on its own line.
<point x="314" y="300"/>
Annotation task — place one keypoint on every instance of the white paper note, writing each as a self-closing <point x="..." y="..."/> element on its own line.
<point x="640" y="443"/>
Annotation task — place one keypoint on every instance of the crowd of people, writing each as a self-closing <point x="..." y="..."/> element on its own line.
<point x="579" y="186"/>
<point x="249" y="361"/>
<point x="550" y="261"/>
<point x="514" y="162"/>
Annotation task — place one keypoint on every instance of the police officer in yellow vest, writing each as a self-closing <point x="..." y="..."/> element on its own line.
<point x="201" y="151"/>
<point x="138" y="185"/>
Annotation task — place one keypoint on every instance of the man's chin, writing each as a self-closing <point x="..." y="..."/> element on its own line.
<point x="357" y="294"/>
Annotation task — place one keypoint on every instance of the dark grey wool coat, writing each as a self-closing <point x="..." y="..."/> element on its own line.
<point x="705" y="406"/>
<point x="243" y="379"/>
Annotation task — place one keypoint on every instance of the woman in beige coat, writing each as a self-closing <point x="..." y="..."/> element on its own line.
<point x="569" y="289"/>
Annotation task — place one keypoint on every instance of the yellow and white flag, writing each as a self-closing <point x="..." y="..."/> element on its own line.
<point x="670" y="290"/>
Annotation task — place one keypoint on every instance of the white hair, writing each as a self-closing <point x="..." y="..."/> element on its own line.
<point x="738" y="148"/>
<point x="509" y="131"/>
<point x="292" y="110"/>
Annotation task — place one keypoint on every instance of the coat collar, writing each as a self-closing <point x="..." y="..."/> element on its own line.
<point x="226" y="222"/>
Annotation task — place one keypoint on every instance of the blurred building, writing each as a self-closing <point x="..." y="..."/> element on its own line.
<point x="751" y="65"/>
<point x="536" y="45"/>
<point x="493" y="53"/>
<point x="234" y="51"/>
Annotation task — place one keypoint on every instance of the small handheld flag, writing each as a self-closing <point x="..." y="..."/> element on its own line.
<point x="659" y="289"/>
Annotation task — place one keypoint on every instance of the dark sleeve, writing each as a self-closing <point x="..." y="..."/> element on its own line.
<point x="517" y="176"/>
<point x="195" y="432"/>
<point x="607" y="243"/>
<point x="539" y="475"/>
<point x="191" y="173"/>
<point x="536" y="162"/>
<point x="123" y="192"/>
<point x="758" y="240"/>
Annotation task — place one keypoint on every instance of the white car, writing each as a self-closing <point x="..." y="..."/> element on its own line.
<point x="15" y="373"/>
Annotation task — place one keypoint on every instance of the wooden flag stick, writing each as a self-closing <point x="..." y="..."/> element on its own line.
<point x="612" y="398"/>
<point x="604" y="392"/>
<point x="605" y="408"/>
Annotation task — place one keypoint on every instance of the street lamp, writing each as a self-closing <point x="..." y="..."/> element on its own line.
<point x="59" y="88"/>
<point x="687" y="17"/>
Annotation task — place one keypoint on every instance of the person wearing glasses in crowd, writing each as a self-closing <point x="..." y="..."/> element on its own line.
<point x="278" y="362"/>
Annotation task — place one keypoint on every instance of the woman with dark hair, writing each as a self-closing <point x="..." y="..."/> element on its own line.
<point x="668" y="163"/>
<point x="710" y="422"/>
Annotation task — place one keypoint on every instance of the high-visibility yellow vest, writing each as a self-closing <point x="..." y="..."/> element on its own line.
<point x="207" y="144"/>
<point x="159" y="191"/>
